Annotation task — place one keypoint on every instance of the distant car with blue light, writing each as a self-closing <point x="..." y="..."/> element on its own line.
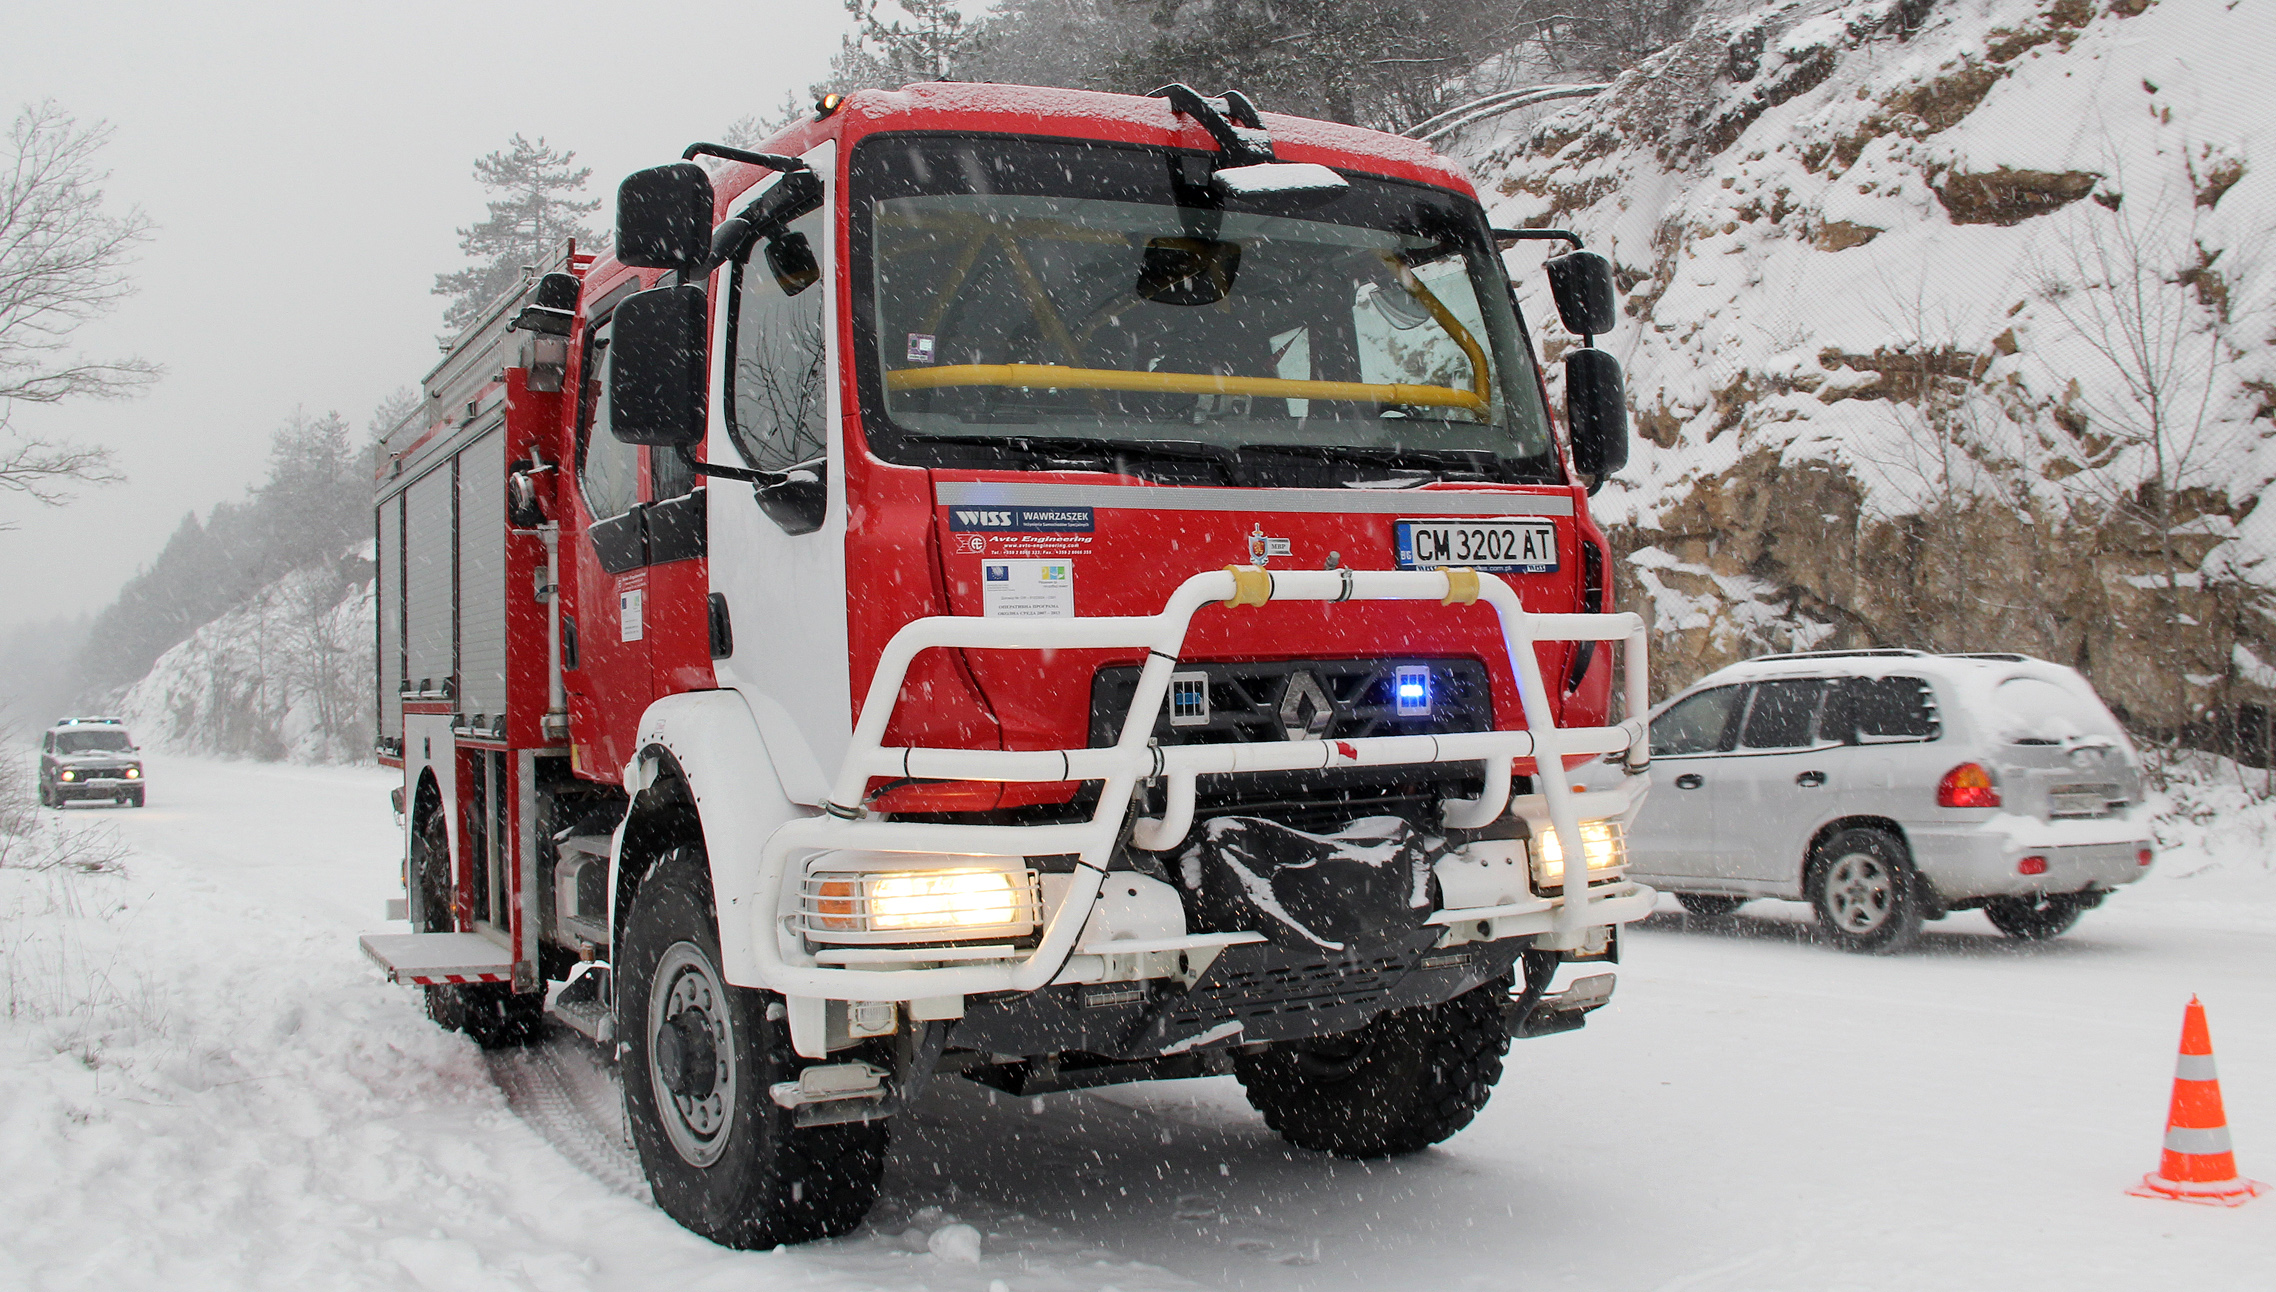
<point x="90" y="758"/>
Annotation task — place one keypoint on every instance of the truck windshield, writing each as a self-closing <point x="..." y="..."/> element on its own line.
<point x="92" y="742"/>
<point x="1026" y="301"/>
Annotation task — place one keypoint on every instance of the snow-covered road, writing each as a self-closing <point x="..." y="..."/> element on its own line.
<point x="203" y="1085"/>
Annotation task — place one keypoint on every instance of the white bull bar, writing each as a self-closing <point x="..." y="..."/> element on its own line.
<point x="786" y="966"/>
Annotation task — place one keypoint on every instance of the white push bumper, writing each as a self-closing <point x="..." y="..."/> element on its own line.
<point x="788" y="963"/>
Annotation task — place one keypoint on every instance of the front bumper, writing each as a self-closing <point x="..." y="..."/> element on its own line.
<point x="1982" y="860"/>
<point x="105" y="788"/>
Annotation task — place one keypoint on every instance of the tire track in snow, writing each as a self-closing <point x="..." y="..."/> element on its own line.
<point x="571" y="1099"/>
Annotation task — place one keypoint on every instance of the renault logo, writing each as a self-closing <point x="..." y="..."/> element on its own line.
<point x="1305" y="709"/>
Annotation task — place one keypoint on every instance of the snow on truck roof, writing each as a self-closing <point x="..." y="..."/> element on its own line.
<point x="87" y="722"/>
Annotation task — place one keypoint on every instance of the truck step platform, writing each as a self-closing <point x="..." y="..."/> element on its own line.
<point x="439" y="959"/>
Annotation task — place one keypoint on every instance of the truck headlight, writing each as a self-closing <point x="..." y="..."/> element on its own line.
<point x="134" y="773"/>
<point x="1604" y="844"/>
<point x="68" y="776"/>
<point x="954" y="899"/>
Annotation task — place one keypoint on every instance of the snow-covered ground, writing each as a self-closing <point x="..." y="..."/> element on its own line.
<point x="202" y="1085"/>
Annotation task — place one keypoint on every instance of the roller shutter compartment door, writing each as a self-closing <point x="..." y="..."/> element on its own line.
<point x="390" y="615"/>
<point x="429" y="561"/>
<point x="482" y="576"/>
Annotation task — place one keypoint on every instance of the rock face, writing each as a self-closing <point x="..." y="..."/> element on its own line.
<point x="1947" y="332"/>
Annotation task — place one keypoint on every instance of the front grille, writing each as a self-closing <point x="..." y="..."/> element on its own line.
<point x="1246" y="703"/>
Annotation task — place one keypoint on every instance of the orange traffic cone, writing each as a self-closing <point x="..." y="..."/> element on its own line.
<point x="2198" y="1164"/>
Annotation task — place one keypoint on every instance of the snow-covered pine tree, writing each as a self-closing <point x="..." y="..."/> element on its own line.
<point x="537" y="206"/>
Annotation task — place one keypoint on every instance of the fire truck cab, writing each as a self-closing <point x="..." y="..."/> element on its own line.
<point x="1045" y="587"/>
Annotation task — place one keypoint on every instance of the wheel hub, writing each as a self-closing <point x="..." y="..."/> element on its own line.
<point x="1859" y="892"/>
<point x="691" y="1055"/>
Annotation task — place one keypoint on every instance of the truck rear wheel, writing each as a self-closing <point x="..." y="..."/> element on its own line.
<point x="490" y="1014"/>
<point x="699" y="1058"/>
<point x="1402" y="1083"/>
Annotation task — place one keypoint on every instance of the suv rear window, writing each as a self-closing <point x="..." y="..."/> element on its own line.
<point x="1880" y="710"/>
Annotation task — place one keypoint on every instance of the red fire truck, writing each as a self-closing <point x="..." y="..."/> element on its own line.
<point x="1049" y="588"/>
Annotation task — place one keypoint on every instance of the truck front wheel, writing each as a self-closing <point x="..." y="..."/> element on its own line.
<point x="1402" y="1083"/>
<point x="700" y="1055"/>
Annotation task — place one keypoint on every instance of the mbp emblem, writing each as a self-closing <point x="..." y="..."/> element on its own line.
<point x="1306" y="712"/>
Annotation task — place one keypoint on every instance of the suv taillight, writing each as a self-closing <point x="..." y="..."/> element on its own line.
<point x="1968" y="785"/>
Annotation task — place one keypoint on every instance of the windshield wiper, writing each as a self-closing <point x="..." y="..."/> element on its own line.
<point x="1483" y="463"/>
<point x="1099" y="448"/>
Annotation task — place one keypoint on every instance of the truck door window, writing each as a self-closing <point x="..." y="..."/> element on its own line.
<point x="608" y="469"/>
<point x="1783" y="713"/>
<point x="1695" y="725"/>
<point x="776" y="394"/>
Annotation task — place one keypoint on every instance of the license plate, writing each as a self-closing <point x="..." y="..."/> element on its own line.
<point x="1502" y="546"/>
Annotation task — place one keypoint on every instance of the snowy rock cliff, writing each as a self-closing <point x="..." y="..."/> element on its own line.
<point x="285" y="675"/>
<point x="1952" y="328"/>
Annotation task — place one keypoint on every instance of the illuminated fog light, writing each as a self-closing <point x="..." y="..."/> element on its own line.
<point x="70" y="776"/>
<point x="1410" y="683"/>
<point x="936" y="904"/>
<point x="1604" y="843"/>
<point x="134" y="773"/>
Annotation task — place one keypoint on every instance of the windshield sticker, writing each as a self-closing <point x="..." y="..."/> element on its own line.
<point x="1027" y="589"/>
<point x="920" y="348"/>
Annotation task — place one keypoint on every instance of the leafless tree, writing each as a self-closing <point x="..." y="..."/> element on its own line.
<point x="63" y="259"/>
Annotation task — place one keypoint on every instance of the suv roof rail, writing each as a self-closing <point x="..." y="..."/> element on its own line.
<point x="2005" y="657"/>
<point x="1845" y="654"/>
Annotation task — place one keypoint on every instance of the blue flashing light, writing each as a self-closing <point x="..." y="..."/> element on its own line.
<point x="1410" y="690"/>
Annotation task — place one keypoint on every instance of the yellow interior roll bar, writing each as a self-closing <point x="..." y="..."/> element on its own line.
<point x="1046" y="376"/>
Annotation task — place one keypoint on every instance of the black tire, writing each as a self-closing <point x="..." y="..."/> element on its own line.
<point x="1867" y="894"/>
<point x="699" y="1057"/>
<point x="47" y="796"/>
<point x="134" y="798"/>
<point x="1402" y="1083"/>
<point x="491" y="1014"/>
<point x="1710" y="905"/>
<point x="2035" y="918"/>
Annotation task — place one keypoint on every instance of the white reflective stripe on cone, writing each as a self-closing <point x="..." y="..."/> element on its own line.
<point x="2194" y="1067"/>
<point x="2183" y="1139"/>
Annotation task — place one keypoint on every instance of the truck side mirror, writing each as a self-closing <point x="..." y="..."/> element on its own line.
<point x="1587" y="300"/>
<point x="1596" y="410"/>
<point x="663" y="217"/>
<point x="656" y="367"/>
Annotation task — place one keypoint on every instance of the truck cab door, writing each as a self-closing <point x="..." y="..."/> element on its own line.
<point x="778" y="572"/>
<point x="609" y="682"/>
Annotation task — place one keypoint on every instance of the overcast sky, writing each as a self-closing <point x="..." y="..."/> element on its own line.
<point x="306" y="166"/>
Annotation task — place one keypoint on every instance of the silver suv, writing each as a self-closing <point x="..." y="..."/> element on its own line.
<point x="89" y="758"/>
<point x="1888" y="787"/>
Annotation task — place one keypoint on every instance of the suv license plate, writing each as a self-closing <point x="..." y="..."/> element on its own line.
<point x="1500" y="546"/>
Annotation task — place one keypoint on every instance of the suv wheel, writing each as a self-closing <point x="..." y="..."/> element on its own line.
<point x="2034" y="918"/>
<point x="1402" y="1083"/>
<point x="1866" y="892"/>
<point x="1710" y="905"/>
<point x="47" y="796"/>
<point x="721" y="1156"/>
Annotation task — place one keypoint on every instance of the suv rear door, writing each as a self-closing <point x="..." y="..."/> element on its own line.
<point x="1776" y="784"/>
